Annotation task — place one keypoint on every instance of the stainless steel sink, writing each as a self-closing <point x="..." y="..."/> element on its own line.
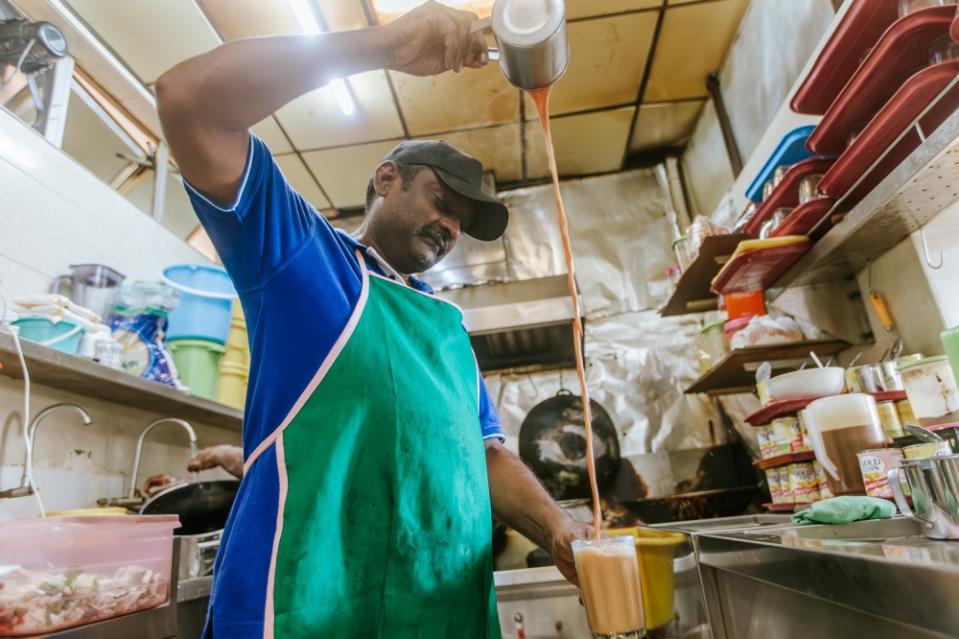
<point x="871" y="530"/>
<point x="727" y="524"/>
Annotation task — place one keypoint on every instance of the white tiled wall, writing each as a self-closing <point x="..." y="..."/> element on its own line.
<point x="54" y="213"/>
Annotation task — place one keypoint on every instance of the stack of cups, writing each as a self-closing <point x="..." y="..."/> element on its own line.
<point x="235" y="365"/>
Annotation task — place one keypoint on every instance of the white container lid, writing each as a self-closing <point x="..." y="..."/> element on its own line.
<point x="842" y="411"/>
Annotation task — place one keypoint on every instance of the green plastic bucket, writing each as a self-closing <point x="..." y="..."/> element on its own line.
<point x="198" y="362"/>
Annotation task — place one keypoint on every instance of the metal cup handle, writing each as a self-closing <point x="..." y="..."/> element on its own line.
<point x="894" y="477"/>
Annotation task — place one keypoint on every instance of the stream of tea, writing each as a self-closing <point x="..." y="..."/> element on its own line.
<point x="541" y="98"/>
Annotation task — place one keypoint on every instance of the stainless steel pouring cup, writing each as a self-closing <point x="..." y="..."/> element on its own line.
<point x="531" y="39"/>
<point x="934" y="484"/>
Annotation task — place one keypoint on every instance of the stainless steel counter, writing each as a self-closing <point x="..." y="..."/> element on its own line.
<point x="874" y="579"/>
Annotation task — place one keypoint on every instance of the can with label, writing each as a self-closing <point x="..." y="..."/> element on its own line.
<point x="875" y="465"/>
<point x="785" y="488"/>
<point x="906" y="416"/>
<point x="889" y="416"/>
<point x="823" y="483"/>
<point x="802" y="481"/>
<point x="764" y="437"/>
<point x="926" y="450"/>
<point x="775" y="485"/>
<point x="787" y="434"/>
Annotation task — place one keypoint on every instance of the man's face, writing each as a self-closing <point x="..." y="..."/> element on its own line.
<point x="418" y="222"/>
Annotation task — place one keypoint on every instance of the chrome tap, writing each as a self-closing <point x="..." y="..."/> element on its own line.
<point x="26" y="486"/>
<point x="136" y="457"/>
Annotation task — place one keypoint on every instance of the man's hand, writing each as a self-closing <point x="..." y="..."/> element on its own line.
<point x="156" y="483"/>
<point x="229" y="458"/>
<point x="561" y="546"/>
<point x="434" y="38"/>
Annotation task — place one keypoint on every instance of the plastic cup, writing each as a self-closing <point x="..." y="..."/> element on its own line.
<point x="609" y="581"/>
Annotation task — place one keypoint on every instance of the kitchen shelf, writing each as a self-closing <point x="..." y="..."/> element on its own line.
<point x="924" y="184"/>
<point x="692" y="293"/>
<point x="781" y="408"/>
<point x="903" y="49"/>
<point x="787" y="193"/>
<point x="784" y="460"/>
<point x="85" y="377"/>
<point x="730" y="374"/>
<point x="860" y="29"/>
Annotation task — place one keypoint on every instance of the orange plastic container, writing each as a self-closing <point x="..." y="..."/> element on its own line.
<point x="745" y="304"/>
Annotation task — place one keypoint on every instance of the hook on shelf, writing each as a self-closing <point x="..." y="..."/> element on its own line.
<point x="925" y="252"/>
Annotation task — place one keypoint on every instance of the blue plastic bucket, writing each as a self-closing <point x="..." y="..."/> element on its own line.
<point x="63" y="336"/>
<point x="206" y="302"/>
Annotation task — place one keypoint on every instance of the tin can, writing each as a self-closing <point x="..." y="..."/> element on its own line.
<point x="875" y="465"/>
<point x="906" y="416"/>
<point x="806" y="441"/>
<point x="926" y="450"/>
<point x="889" y="416"/>
<point x="764" y="437"/>
<point x="802" y="481"/>
<point x="821" y="481"/>
<point x="787" y="434"/>
<point x="775" y="485"/>
<point x="785" y="486"/>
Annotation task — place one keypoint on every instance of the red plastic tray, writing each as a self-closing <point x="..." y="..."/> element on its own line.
<point x="803" y="218"/>
<point x="914" y="96"/>
<point x="787" y="193"/>
<point x="954" y="29"/>
<point x="757" y="270"/>
<point x="859" y="31"/>
<point x="902" y="50"/>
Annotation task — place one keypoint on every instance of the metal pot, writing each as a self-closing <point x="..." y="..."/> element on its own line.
<point x="203" y="508"/>
<point x="552" y="442"/>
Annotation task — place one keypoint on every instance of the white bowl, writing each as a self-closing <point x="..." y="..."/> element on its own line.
<point x="811" y="382"/>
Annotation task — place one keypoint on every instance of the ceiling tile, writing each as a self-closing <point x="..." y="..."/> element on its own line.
<point x="587" y="143"/>
<point x="150" y="35"/>
<point x="342" y="15"/>
<point x="269" y="131"/>
<point x="498" y="148"/>
<point x="471" y="98"/>
<point x="248" y="18"/>
<point x="585" y="8"/>
<point x="679" y="69"/>
<point x="301" y="180"/>
<point x="607" y="60"/>
<point x="664" y="124"/>
<point x="315" y="121"/>
<point x="344" y="172"/>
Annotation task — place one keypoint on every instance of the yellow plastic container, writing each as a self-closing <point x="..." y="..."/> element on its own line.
<point x="112" y="511"/>
<point x="231" y="389"/>
<point x="654" y="552"/>
<point x="237" y="342"/>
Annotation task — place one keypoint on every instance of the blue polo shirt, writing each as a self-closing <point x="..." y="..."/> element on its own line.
<point x="299" y="280"/>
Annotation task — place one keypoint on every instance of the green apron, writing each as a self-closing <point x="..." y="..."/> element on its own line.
<point x="384" y="502"/>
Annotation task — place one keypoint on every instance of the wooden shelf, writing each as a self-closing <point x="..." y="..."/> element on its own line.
<point x="783" y="407"/>
<point x="84" y="377"/>
<point x="784" y="460"/>
<point x="730" y="374"/>
<point x="912" y="194"/>
<point x="692" y="293"/>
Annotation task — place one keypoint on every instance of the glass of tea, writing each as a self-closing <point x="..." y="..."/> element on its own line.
<point x="609" y="581"/>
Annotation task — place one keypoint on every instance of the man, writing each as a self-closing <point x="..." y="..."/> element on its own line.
<point x="365" y="508"/>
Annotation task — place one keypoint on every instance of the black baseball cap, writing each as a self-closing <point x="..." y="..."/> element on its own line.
<point x="463" y="174"/>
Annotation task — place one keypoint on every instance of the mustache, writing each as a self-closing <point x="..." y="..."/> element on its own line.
<point x="439" y="236"/>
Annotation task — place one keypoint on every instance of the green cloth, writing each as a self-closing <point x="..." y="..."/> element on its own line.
<point x="845" y="510"/>
<point x="387" y="521"/>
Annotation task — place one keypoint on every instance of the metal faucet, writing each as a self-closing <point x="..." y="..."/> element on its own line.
<point x="26" y="487"/>
<point x="146" y="431"/>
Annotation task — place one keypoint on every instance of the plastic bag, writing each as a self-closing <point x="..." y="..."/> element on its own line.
<point x="139" y="323"/>
<point x="764" y="330"/>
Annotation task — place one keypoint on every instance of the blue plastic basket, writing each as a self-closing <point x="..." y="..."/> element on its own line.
<point x="206" y="302"/>
<point x="791" y="149"/>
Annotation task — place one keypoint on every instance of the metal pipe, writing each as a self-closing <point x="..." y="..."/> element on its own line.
<point x="725" y="125"/>
<point x="32" y="435"/>
<point x="139" y="450"/>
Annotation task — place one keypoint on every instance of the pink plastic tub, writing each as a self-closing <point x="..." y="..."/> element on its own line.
<point x="61" y="572"/>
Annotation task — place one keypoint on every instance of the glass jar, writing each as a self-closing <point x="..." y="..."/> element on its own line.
<point x="943" y="49"/>
<point x="910" y="6"/>
<point x="809" y="188"/>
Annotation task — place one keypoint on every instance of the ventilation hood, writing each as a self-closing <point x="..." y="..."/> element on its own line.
<point x="523" y="323"/>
